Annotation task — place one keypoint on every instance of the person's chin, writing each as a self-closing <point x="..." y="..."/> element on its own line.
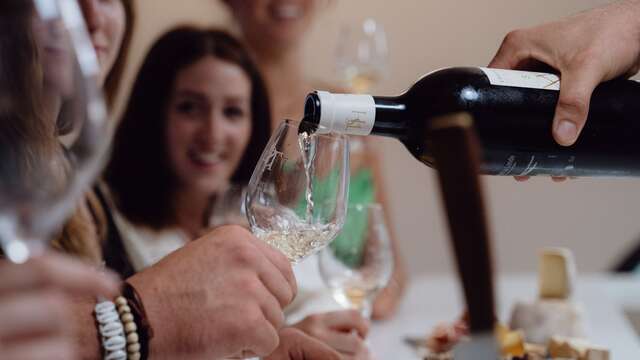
<point x="209" y="185"/>
<point x="284" y="35"/>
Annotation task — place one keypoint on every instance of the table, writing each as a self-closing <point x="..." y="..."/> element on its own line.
<point x="434" y="299"/>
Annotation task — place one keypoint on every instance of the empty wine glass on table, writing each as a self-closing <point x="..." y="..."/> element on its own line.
<point x="360" y="264"/>
<point x="362" y="55"/>
<point x="297" y="195"/>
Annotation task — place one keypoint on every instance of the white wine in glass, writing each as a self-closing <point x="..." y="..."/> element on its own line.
<point x="296" y="199"/>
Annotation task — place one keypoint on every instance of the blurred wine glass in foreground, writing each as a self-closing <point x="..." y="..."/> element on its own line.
<point x="362" y="55"/>
<point x="358" y="265"/>
<point x="54" y="132"/>
<point x="297" y="196"/>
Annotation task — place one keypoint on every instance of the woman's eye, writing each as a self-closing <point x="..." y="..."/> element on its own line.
<point x="233" y="112"/>
<point x="187" y="107"/>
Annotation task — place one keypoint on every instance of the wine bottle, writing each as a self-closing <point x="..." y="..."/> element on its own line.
<point x="512" y="113"/>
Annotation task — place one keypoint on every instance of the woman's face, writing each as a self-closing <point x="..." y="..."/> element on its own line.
<point x="282" y="23"/>
<point x="208" y="123"/>
<point x="106" y="21"/>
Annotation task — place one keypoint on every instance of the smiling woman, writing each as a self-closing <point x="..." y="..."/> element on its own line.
<point x="208" y="124"/>
<point x="197" y="120"/>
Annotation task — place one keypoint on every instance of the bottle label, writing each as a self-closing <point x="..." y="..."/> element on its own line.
<point x="522" y="79"/>
<point x="347" y="113"/>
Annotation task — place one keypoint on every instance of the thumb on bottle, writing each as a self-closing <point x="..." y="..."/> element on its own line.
<point x="577" y="86"/>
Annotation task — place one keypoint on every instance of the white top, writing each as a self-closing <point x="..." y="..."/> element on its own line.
<point x="146" y="246"/>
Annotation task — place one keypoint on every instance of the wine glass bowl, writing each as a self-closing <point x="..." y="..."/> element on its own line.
<point x="360" y="264"/>
<point x="362" y="55"/>
<point x="228" y="207"/>
<point x="297" y="195"/>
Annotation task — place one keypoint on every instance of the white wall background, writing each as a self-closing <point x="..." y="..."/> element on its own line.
<point x="598" y="219"/>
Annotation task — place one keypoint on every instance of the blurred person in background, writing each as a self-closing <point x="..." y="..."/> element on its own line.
<point x="275" y="31"/>
<point x="196" y="121"/>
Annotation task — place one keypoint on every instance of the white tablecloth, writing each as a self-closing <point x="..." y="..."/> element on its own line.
<point x="434" y="299"/>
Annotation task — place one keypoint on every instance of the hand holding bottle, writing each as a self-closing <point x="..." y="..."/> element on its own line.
<point x="587" y="49"/>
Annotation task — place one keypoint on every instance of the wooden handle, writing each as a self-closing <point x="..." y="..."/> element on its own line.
<point x="457" y="159"/>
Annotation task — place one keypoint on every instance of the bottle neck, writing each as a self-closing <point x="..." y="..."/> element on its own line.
<point x="356" y="114"/>
<point x="391" y="117"/>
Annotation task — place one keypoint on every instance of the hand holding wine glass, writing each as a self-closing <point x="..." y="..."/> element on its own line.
<point x="296" y="201"/>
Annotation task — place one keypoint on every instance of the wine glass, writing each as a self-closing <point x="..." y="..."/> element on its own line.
<point x="362" y="55"/>
<point x="228" y="207"/>
<point x="297" y="195"/>
<point x="54" y="132"/>
<point x="360" y="263"/>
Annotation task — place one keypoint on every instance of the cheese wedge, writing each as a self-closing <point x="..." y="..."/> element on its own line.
<point x="511" y="342"/>
<point x="556" y="273"/>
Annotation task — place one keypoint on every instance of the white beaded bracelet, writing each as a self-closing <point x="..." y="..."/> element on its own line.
<point x="111" y="330"/>
<point x="130" y="327"/>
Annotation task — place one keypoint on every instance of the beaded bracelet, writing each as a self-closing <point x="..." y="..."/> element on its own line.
<point x="130" y="328"/>
<point x="111" y="330"/>
<point x="145" y="331"/>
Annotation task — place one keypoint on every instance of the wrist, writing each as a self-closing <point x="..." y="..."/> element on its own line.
<point x="136" y="323"/>
<point x="85" y="332"/>
<point x="155" y="314"/>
